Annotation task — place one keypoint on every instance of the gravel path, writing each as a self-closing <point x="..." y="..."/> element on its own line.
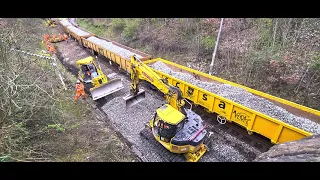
<point x="132" y="120"/>
<point x="245" y="98"/>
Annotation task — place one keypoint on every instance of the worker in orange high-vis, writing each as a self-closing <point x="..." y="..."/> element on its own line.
<point x="53" y="38"/>
<point x="79" y="90"/>
<point x="60" y="37"/>
<point x="48" y="44"/>
<point x="52" y="50"/>
<point x="46" y="37"/>
<point x="66" y="37"/>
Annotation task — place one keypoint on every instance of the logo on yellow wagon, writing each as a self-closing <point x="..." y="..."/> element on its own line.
<point x="242" y="117"/>
<point x="190" y="92"/>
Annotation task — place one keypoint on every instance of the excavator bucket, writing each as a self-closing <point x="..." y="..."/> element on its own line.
<point x="134" y="99"/>
<point x="103" y="90"/>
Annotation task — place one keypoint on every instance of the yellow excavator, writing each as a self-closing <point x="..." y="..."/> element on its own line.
<point x="51" y="23"/>
<point x="101" y="86"/>
<point x="178" y="129"/>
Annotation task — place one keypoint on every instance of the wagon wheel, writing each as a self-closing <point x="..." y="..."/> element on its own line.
<point x="221" y="119"/>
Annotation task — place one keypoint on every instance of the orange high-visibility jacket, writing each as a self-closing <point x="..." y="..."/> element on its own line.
<point x="46" y="37"/>
<point x="79" y="87"/>
<point x="60" y="37"/>
<point x="52" y="49"/>
<point x="65" y="36"/>
<point x="48" y="43"/>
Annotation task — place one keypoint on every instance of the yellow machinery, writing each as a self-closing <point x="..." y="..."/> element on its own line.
<point x="179" y="130"/>
<point x="51" y="23"/>
<point x="89" y="73"/>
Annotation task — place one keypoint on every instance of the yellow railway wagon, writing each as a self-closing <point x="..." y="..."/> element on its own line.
<point x="277" y="131"/>
<point x="123" y="62"/>
<point x="78" y="33"/>
<point x="65" y="23"/>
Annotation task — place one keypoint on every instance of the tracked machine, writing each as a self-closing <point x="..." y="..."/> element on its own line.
<point x="179" y="130"/>
<point x="101" y="86"/>
<point x="51" y="23"/>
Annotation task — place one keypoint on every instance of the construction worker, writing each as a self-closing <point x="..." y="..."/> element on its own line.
<point x="46" y="37"/>
<point x="52" y="50"/>
<point x="79" y="90"/>
<point x="66" y="37"/>
<point x="53" y="38"/>
<point x="88" y="73"/>
<point x="60" y="37"/>
<point x="48" y="44"/>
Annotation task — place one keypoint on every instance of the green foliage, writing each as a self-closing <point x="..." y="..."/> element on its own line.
<point x="276" y="57"/>
<point x="259" y="59"/>
<point x="83" y="23"/>
<point x="31" y="98"/>
<point x="118" y="24"/>
<point x="75" y="126"/>
<point x="131" y="28"/>
<point x="56" y="126"/>
<point x="316" y="60"/>
<point x="208" y="42"/>
<point x="97" y="28"/>
<point x="5" y="158"/>
<point x="265" y="30"/>
<point x="153" y="20"/>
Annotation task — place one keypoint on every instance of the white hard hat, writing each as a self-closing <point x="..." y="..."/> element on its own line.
<point x="78" y="81"/>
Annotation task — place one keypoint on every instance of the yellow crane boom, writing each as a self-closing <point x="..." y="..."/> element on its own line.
<point x="139" y="70"/>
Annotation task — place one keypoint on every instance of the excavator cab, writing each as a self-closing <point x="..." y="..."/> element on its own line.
<point x="90" y="73"/>
<point x="179" y="133"/>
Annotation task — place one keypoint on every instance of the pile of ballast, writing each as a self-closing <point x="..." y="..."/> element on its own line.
<point x="78" y="31"/>
<point x="113" y="48"/>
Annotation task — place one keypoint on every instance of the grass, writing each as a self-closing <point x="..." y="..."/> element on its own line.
<point x="96" y="29"/>
<point x="49" y="125"/>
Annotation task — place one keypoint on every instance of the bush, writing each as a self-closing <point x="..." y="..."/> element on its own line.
<point x="265" y="29"/>
<point x="118" y="24"/>
<point x="30" y="97"/>
<point x="131" y="28"/>
<point x="316" y="60"/>
<point x="208" y="42"/>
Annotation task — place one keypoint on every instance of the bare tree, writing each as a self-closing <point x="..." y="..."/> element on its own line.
<point x="274" y="32"/>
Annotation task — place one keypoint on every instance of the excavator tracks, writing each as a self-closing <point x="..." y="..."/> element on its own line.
<point x="166" y="155"/>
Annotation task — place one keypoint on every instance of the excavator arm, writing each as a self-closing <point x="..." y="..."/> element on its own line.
<point x="179" y="130"/>
<point x="140" y="71"/>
